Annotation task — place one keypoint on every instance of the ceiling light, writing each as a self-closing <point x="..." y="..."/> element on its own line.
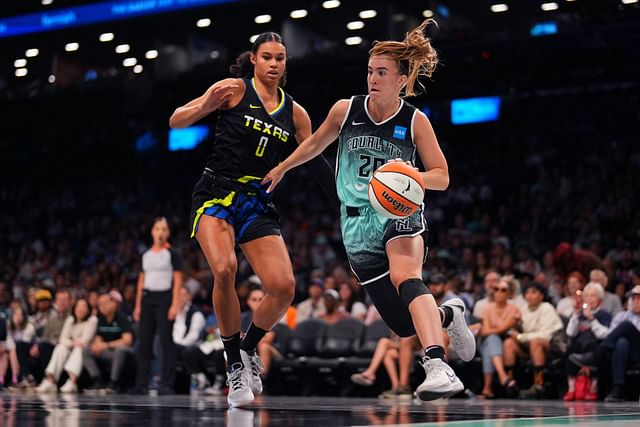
<point x="368" y="14"/>
<point x="52" y="78"/>
<point x="20" y="62"/>
<point x="151" y="54"/>
<point x="21" y="72"/>
<point x="427" y="13"/>
<point x="500" y="7"/>
<point x="215" y="54"/>
<point x="262" y="19"/>
<point x="203" y="23"/>
<point x="629" y="1"/>
<point x="331" y="4"/>
<point x="129" y="62"/>
<point x="72" y="47"/>
<point x="46" y="2"/>
<point x="298" y="13"/>
<point x="30" y="53"/>
<point x="138" y="69"/>
<point x="253" y="38"/>
<point x="549" y="6"/>
<point x="355" y="25"/>
<point x="106" y="37"/>
<point x="352" y="41"/>
<point x="122" y="48"/>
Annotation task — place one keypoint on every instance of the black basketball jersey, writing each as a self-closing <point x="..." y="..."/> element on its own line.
<point x="365" y="145"/>
<point x="249" y="140"/>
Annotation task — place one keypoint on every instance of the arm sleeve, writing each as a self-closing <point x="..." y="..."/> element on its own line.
<point x="29" y="333"/>
<point x="89" y="330"/>
<point x="572" y="326"/>
<point x="196" y="327"/>
<point x="599" y="330"/>
<point x="65" y="335"/>
<point x="617" y="319"/>
<point x="176" y="260"/>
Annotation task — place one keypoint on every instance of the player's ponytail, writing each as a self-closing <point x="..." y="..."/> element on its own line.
<point x="243" y="68"/>
<point x="415" y="55"/>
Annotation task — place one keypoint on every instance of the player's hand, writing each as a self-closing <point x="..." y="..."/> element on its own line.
<point x="402" y="161"/>
<point x="274" y="176"/>
<point x="217" y="96"/>
<point x="136" y="314"/>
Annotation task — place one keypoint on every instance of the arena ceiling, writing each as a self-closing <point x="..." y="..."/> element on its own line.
<point x="167" y="44"/>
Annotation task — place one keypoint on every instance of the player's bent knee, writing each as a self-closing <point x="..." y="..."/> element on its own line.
<point x="284" y="291"/>
<point x="411" y="289"/>
<point x="224" y="273"/>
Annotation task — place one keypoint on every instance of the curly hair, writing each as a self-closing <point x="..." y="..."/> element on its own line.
<point x="415" y="55"/>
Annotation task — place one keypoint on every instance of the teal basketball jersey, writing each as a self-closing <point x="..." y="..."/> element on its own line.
<point x="365" y="145"/>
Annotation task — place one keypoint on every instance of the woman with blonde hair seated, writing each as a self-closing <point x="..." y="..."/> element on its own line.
<point x="498" y="317"/>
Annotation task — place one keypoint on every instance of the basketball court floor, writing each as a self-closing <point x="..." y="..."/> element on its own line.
<point x="272" y="411"/>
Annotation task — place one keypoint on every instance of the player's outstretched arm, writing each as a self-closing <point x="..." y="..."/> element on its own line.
<point x="437" y="175"/>
<point x="312" y="146"/>
<point x="223" y="94"/>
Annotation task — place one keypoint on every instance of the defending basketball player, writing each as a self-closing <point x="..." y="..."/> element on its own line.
<point x="387" y="254"/>
<point x="258" y="125"/>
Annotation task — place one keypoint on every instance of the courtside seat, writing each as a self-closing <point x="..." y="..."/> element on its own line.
<point x="342" y="339"/>
<point x="306" y="339"/>
<point x="372" y="335"/>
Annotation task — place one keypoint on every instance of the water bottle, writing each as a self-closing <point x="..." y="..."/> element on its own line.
<point x="194" y="385"/>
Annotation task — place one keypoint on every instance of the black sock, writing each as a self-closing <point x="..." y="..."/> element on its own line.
<point x="252" y="338"/>
<point x="434" y="352"/>
<point x="232" y="349"/>
<point x="446" y="315"/>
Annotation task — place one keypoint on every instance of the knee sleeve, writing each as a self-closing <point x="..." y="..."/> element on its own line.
<point x="411" y="289"/>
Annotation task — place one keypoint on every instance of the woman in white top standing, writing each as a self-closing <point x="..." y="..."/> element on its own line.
<point x="77" y="332"/>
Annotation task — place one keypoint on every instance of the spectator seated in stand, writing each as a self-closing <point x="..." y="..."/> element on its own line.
<point x="111" y="347"/>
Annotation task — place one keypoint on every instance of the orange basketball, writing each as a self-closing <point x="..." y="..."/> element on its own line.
<point x="396" y="190"/>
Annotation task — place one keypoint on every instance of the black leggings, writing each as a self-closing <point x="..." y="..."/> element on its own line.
<point x="392" y="309"/>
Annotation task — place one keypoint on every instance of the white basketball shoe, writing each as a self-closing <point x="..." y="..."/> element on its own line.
<point x="441" y="382"/>
<point x="254" y="364"/>
<point x="462" y="340"/>
<point x="239" y="382"/>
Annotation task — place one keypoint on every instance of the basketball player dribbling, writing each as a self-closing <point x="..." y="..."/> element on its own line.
<point x="258" y="125"/>
<point x="387" y="255"/>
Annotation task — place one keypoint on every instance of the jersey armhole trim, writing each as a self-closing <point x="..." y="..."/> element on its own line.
<point x="413" y="123"/>
<point x="346" y="116"/>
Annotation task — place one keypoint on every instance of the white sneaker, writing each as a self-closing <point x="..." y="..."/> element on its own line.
<point x="46" y="386"/>
<point x="239" y="382"/>
<point x="69" y="387"/>
<point x="441" y="381"/>
<point x="255" y="369"/>
<point x="462" y="340"/>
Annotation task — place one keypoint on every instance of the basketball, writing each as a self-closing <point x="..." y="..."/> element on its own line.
<point x="396" y="190"/>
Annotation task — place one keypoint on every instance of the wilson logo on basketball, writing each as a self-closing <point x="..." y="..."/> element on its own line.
<point x="395" y="190"/>
<point x="399" y="207"/>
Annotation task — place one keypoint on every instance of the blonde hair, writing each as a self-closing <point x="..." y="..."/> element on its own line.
<point x="415" y="55"/>
<point x="513" y="283"/>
